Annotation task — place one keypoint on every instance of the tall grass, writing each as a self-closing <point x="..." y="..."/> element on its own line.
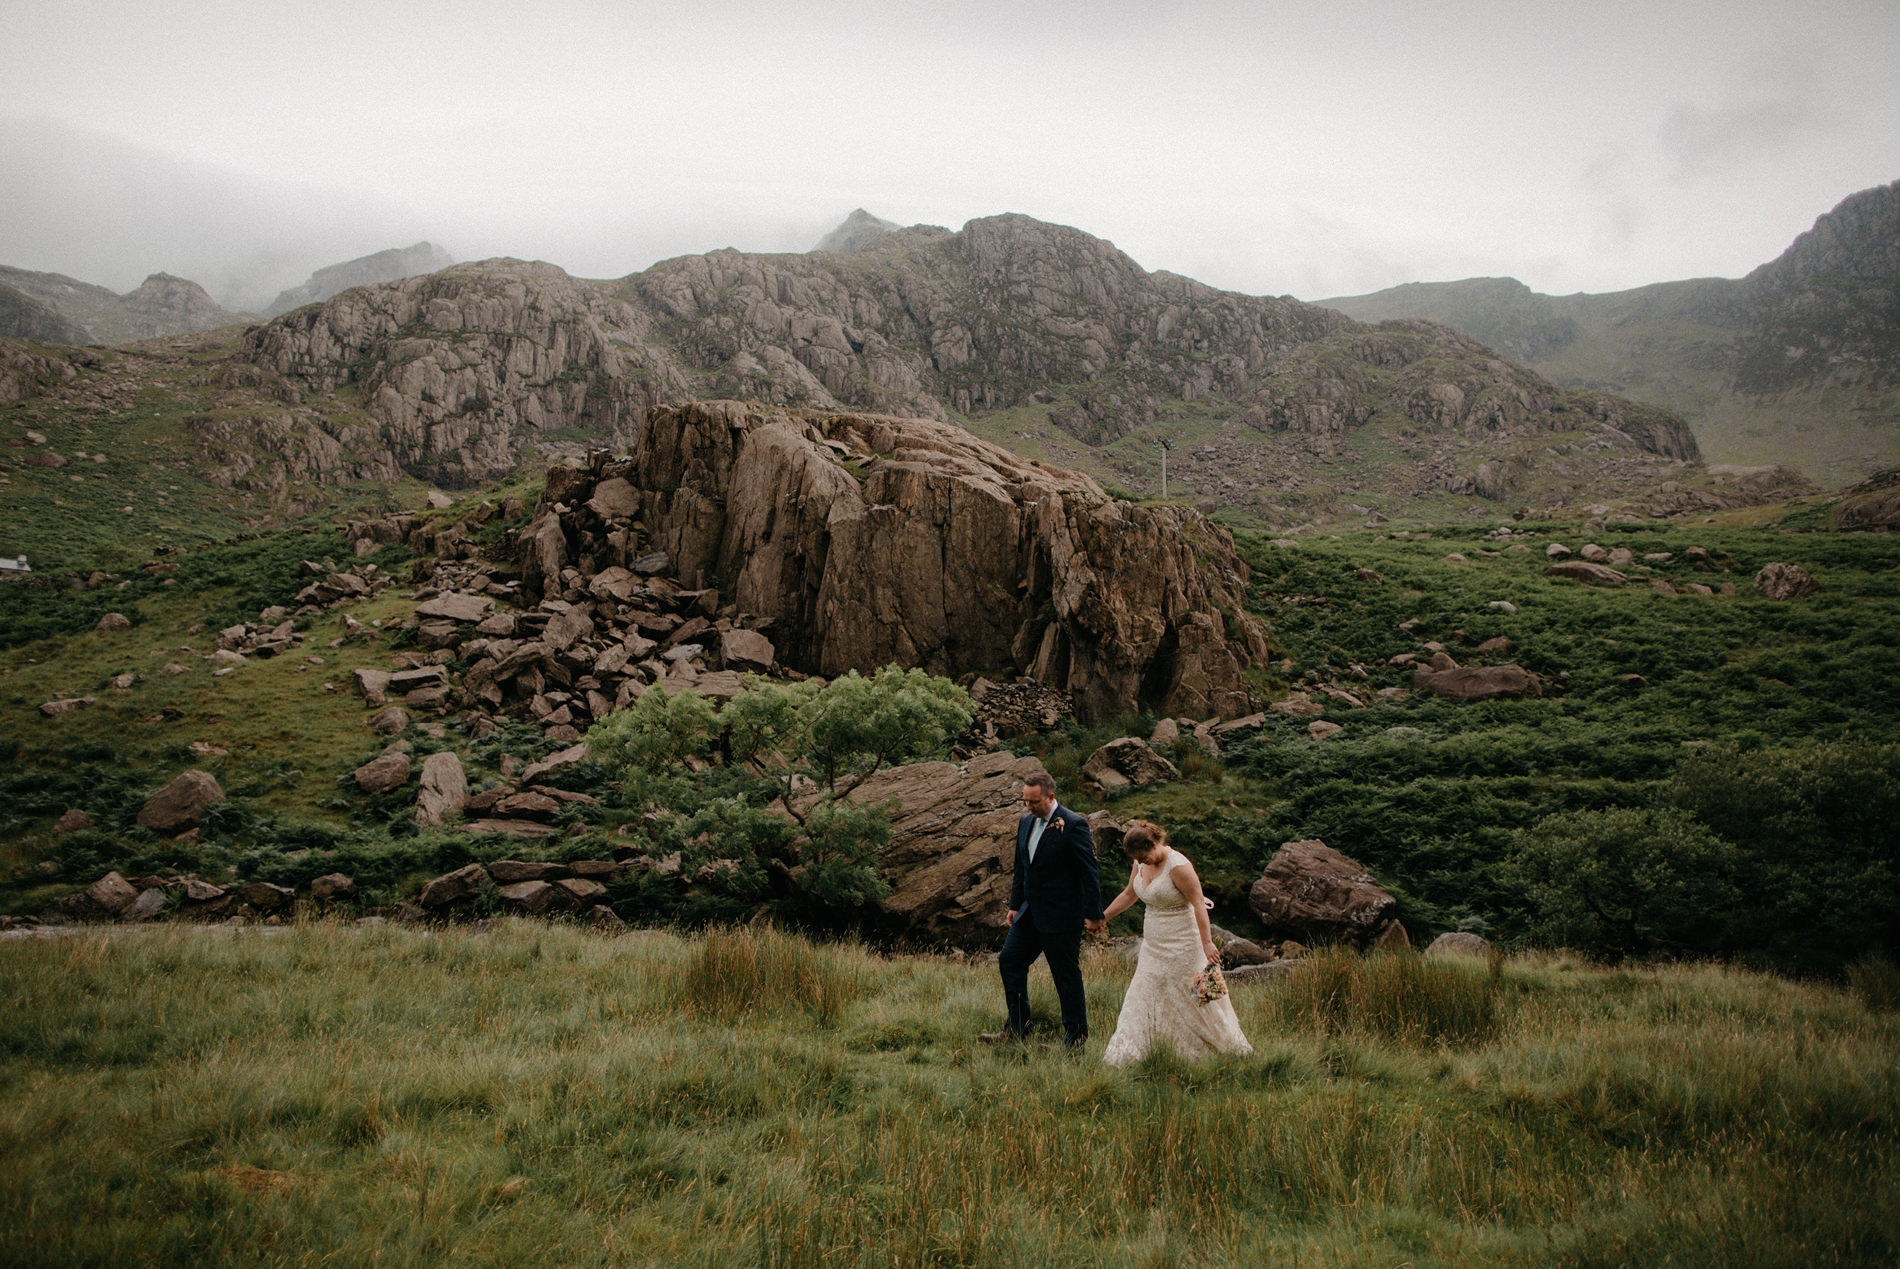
<point x="1393" y="996"/>
<point x="1876" y="981"/>
<point x="733" y="973"/>
<point x="542" y="1095"/>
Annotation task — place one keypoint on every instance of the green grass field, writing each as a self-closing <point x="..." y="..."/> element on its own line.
<point x="533" y="1094"/>
<point x="1431" y="796"/>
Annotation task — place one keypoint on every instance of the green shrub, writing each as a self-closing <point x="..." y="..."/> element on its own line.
<point x="1626" y="881"/>
<point x="1819" y="866"/>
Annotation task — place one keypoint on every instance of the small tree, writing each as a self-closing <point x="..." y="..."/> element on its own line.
<point x="649" y="744"/>
<point x="1625" y="881"/>
<point x="812" y="746"/>
<point x="837" y="736"/>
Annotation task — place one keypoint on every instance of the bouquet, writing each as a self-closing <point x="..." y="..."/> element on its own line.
<point x="1209" y="984"/>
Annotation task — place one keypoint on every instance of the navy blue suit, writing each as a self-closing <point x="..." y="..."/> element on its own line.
<point x="1051" y="897"/>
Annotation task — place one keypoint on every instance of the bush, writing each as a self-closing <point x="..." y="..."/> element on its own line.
<point x="1626" y="881"/>
<point x="810" y="745"/>
<point x="1819" y="866"/>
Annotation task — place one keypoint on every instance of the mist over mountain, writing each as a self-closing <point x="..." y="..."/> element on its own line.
<point x="1797" y="363"/>
<point x="66" y="310"/>
<point x="859" y="230"/>
<point x="91" y="206"/>
<point x="384" y="266"/>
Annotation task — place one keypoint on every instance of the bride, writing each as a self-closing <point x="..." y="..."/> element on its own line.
<point x="1176" y="944"/>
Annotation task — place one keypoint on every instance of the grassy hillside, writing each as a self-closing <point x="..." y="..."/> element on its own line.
<point x="1681" y="346"/>
<point x="532" y="1094"/>
<point x="1438" y="799"/>
<point x="155" y="453"/>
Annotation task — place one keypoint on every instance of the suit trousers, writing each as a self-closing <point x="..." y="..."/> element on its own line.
<point x="1063" y="950"/>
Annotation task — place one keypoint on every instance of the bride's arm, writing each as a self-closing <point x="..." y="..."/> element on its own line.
<point x="1189" y="884"/>
<point x="1121" y="902"/>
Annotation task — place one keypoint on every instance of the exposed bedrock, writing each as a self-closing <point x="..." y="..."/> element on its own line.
<point x="869" y="539"/>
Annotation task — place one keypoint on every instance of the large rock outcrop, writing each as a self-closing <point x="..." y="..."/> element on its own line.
<point x="455" y="369"/>
<point x="953" y="835"/>
<point x="866" y="540"/>
<point x="1312" y="893"/>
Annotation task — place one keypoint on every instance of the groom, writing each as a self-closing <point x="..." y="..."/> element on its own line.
<point x="1055" y="894"/>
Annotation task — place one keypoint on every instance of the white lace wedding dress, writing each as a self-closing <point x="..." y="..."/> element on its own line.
<point x="1160" y="1003"/>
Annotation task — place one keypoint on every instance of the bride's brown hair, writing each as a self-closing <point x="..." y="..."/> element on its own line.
<point x="1141" y="838"/>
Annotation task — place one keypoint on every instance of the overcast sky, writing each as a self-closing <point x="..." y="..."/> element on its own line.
<point x="1315" y="149"/>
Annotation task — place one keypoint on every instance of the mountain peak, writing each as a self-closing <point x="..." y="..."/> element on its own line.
<point x="859" y="230"/>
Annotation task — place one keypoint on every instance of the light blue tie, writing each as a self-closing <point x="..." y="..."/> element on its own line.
<point x="1035" y="838"/>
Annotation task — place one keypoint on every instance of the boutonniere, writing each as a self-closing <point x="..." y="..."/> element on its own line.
<point x="1058" y="825"/>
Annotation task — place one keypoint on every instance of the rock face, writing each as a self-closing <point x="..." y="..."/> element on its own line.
<point x="953" y="837"/>
<point x="1786" y="581"/>
<point x="866" y="540"/>
<point x="1312" y="893"/>
<point x="444" y="790"/>
<point x="182" y="803"/>
<point x="1128" y="762"/>
<point x="1464" y="683"/>
<point x="457" y="369"/>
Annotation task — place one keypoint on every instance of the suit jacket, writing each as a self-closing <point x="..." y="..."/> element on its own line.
<point x="1062" y="888"/>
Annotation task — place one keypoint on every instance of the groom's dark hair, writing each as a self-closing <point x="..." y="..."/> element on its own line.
<point x="1042" y="780"/>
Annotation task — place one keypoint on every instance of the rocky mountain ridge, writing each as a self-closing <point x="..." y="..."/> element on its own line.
<point x="87" y="314"/>
<point x="1797" y="363"/>
<point x="383" y="266"/>
<point x="23" y="317"/>
<point x="456" y="370"/>
<point x="1035" y="337"/>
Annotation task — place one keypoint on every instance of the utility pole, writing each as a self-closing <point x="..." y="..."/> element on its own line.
<point x="1163" y="444"/>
